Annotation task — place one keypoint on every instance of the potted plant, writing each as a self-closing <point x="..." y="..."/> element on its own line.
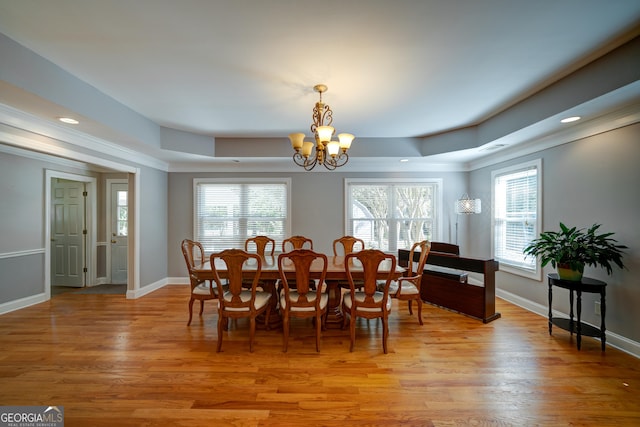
<point x="570" y="249"/>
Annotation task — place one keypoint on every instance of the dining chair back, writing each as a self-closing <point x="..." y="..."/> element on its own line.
<point x="236" y="301"/>
<point x="369" y="302"/>
<point x="201" y="290"/>
<point x="346" y="245"/>
<point x="263" y="245"/>
<point x="296" y="242"/>
<point x="407" y="287"/>
<point x="304" y="300"/>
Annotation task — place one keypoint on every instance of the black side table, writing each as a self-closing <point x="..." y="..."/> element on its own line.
<point x="585" y="285"/>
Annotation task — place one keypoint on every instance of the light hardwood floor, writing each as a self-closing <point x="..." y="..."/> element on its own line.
<point x="116" y="362"/>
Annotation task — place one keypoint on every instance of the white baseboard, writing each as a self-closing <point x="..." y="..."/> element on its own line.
<point x="18" y="304"/>
<point x="614" y="340"/>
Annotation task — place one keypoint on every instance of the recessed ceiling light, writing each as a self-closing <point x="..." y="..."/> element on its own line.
<point x="68" y="120"/>
<point x="404" y="160"/>
<point x="570" y="119"/>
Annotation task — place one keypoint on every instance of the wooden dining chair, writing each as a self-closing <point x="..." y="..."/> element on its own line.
<point x="370" y="302"/>
<point x="296" y="242"/>
<point x="344" y="246"/>
<point x="263" y="245"/>
<point x="302" y="301"/>
<point x="236" y="301"/>
<point x="201" y="290"/>
<point x="407" y="287"/>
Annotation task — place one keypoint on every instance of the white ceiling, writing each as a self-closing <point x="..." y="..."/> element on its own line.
<point x="243" y="68"/>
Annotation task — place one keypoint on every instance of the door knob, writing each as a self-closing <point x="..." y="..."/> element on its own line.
<point x="113" y="241"/>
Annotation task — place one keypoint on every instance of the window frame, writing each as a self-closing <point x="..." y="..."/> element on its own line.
<point x="241" y="181"/>
<point x="438" y="213"/>
<point x="505" y="265"/>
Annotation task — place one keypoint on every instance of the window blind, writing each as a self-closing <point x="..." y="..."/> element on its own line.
<point x="227" y="213"/>
<point x="515" y="216"/>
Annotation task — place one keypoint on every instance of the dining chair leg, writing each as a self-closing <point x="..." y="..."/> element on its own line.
<point x="410" y="307"/>
<point x="318" y="328"/>
<point x="352" y="328"/>
<point x="252" y="332"/>
<point x="201" y="306"/>
<point x="190" y="311"/>
<point x="222" y="321"/>
<point x="385" y="334"/>
<point x="285" y="332"/>
<point x="420" y="312"/>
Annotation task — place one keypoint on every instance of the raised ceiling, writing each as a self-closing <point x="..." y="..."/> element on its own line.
<point x="243" y="71"/>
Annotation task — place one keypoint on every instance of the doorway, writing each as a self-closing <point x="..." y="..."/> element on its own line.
<point x="71" y="230"/>
<point x="68" y="233"/>
<point x="118" y="230"/>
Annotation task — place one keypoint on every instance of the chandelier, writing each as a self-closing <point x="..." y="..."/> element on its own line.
<point x="328" y="153"/>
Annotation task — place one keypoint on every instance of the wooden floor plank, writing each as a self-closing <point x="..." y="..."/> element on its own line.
<point x="111" y="361"/>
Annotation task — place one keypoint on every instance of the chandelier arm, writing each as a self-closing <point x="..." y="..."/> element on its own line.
<point x="299" y="159"/>
<point x="335" y="162"/>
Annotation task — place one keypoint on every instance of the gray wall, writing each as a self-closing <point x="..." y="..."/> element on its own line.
<point x="153" y="225"/>
<point x="317" y="206"/>
<point x="592" y="180"/>
<point x="22" y="191"/>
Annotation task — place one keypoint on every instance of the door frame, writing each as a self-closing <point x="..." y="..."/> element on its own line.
<point x="89" y="244"/>
<point x="109" y="183"/>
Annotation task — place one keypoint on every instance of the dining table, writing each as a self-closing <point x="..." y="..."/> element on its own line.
<point x="336" y="273"/>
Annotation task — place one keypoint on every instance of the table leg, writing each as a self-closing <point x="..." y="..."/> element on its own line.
<point x="571" y="326"/>
<point x="334" y="314"/>
<point x="550" y="315"/>
<point x="603" y="309"/>
<point x="579" y="324"/>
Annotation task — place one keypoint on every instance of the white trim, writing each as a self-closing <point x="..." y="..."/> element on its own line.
<point x="17" y="254"/>
<point x="91" y="226"/>
<point x="133" y="242"/>
<point x="44" y="157"/>
<point x="535" y="143"/>
<point x="439" y="197"/>
<point x="532" y="164"/>
<point x="108" y="184"/>
<point x="614" y="340"/>
<point x="51" y="130"/>
<point x="25" y="302"/>
<point x="140" y="292"/>
<point x="257" y="180"/>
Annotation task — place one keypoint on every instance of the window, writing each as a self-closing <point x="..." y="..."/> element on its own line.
<point x="122" y="210"/>
<point x="391" y="215"/>
<point x="228" y="212"/>
<point x="516" y="216"/>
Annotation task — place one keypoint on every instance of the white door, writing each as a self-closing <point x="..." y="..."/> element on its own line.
<point x="119" y="232"/>
<point x="67" y="232"/>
